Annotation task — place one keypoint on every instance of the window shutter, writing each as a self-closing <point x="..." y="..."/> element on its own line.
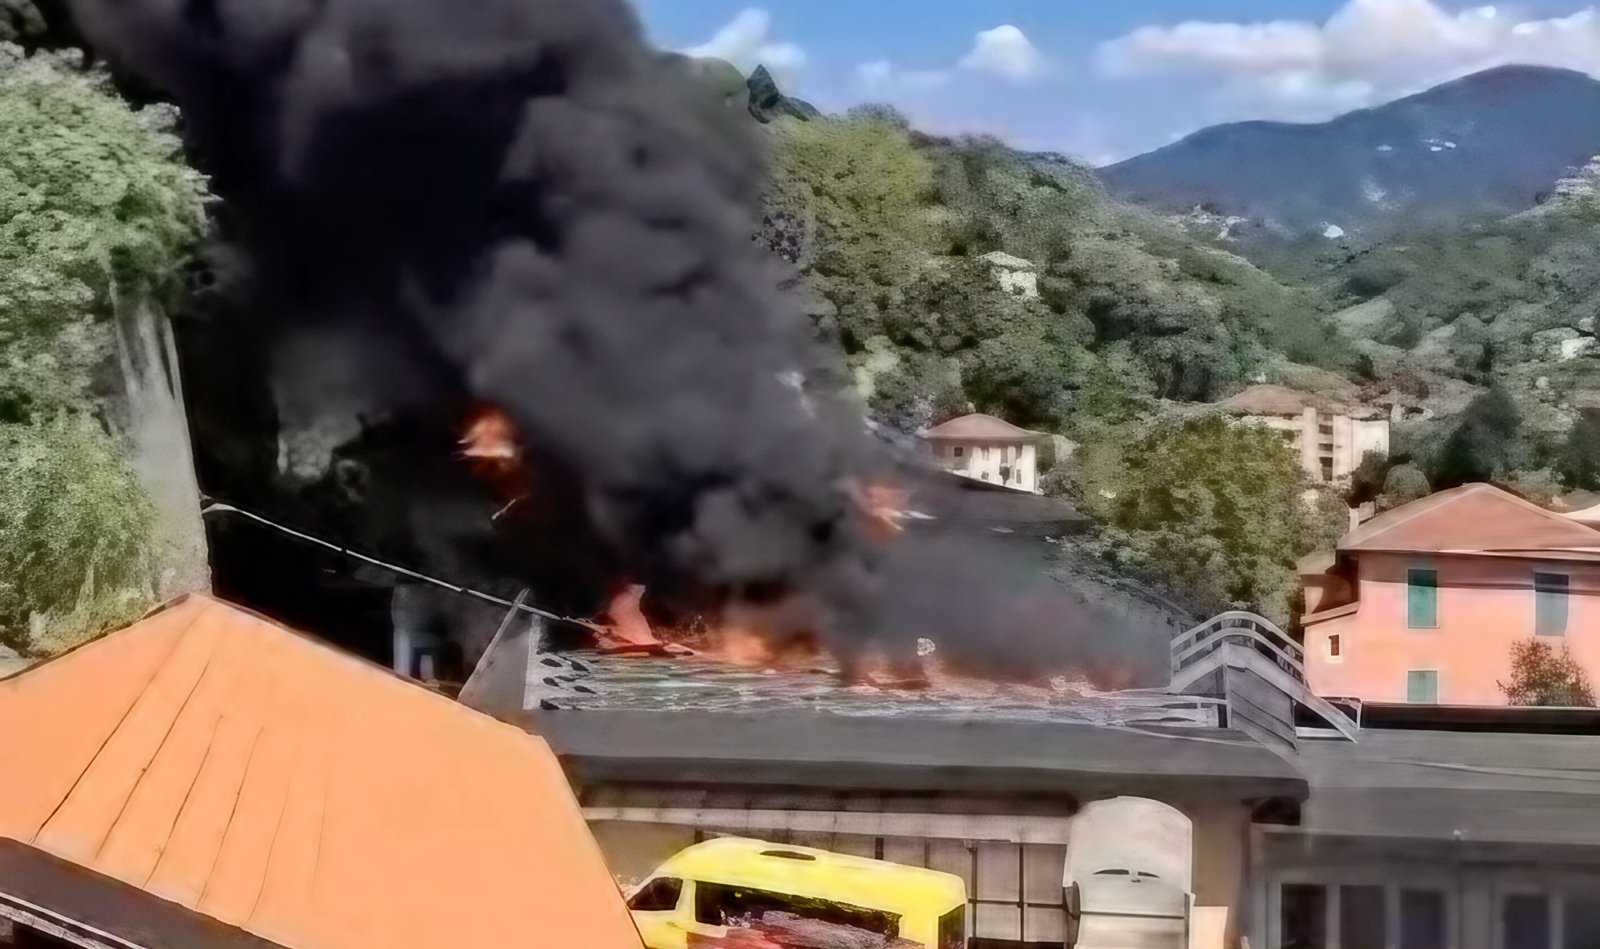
<point x="1423" y="599"/>
<point x="1550" y="603"/>
<point x="1422" y="688"/>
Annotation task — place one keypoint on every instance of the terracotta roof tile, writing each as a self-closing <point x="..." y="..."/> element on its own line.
<point x="979" y="426"/>
<point x="218" y="761"/>
<point x="1474" y="519"/>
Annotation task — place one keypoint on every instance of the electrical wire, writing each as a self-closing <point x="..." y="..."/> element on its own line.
<point x="212" y="506"/>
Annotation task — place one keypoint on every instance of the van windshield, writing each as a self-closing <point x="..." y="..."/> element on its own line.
<point x="717" y="904"/>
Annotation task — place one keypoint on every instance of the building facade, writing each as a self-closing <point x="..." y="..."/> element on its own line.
<point x="989" y="449"/>
<point x="1425" y="603"/>
<point x="1331" y="438"/>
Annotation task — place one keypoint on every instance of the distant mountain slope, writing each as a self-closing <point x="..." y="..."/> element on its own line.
<point x="1491" y="144"/>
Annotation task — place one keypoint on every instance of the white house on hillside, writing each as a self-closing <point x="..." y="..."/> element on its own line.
<point x="987" y="449"/>
<point x="1330" y="436"/>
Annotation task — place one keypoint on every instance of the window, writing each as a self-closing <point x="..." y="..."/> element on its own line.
<point x="1303" y="916"/>
<point x="716" y="904"/>
<point x="1325" y="430"/>
<point x="953" y="929"/>
<point x="960" y="451"/>
<point x="1327" y="469"/>
<point x="1362" y="922"/>
<point x="1422" y="919"/>
<point x="1326" y="448"/>
<point x="1335" y="647"/>
<point x="658" y="896"/>
<point x="1550" y="604"/>
<point x="1422" y="599"/>
<point x="1422" y="688"/>
<point x="1525" y="920"/>
<point x="938" y="451"/>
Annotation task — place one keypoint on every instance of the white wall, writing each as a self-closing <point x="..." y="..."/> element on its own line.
<point x="982" y="460"/>
<point x="1350" y="439"/>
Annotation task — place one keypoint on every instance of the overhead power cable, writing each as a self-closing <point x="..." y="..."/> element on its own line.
<point x="211" y="506"/>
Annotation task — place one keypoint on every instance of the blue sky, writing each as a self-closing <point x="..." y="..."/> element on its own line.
<point x="1106" y="79"/>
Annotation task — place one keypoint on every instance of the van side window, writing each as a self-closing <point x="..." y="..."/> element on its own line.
<point x="716" y="904"/>
<point x="953" y="929"/>
<point x="658" y="896"/>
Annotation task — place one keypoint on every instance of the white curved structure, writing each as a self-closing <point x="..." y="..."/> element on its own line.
<point x="1128" y="876"/>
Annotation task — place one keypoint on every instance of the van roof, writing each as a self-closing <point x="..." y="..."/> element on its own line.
<point x="819" y="874"/>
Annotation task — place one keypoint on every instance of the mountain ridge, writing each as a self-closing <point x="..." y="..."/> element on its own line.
<point x="1483" y="146"/>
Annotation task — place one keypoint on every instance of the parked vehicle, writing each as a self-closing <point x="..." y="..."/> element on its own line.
<point x="713" y="893"/>
<point x="1127" y="876"/>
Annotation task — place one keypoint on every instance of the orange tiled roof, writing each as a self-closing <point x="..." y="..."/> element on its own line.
<point x="218" y="761"/>
<point x="1475" y="519"/>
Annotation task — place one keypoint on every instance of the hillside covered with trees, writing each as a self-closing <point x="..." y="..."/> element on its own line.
<point x="910" y="250"/>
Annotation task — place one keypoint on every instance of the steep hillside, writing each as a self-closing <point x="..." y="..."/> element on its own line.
<point x="1489" y="145"/>
<point x="957" y="273"/>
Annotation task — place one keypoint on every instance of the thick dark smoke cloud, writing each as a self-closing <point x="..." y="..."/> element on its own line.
<point x="518" y="202"/>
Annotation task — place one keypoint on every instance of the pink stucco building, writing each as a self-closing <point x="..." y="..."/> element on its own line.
<point x="1424" y="603"/>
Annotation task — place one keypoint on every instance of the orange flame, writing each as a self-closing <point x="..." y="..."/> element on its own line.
<point x="490" y="444"/>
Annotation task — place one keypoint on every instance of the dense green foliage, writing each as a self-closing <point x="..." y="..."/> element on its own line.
<point x="1214" y="511"/>
<point x="76" y="551"/>
<point x="97" y="215"/>
<point x="1541" y="677"/>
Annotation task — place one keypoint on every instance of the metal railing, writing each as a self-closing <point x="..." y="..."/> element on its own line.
<point x="1238" y="626"/>
<point x="1277" y="658"/>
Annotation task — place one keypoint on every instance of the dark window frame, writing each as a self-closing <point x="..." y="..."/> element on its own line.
<point x="648" y="891"/>
<point x="710" y="905"/>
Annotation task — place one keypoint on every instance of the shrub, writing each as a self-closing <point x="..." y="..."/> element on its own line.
<point x="1540" y="677"/>
<point x="77" y="554"/>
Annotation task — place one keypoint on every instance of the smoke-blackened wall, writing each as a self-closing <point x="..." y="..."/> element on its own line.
<point x="458" y="202"/>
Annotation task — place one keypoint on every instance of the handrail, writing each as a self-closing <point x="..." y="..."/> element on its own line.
<point x="1290" y="685"/>
<point x="1234" y="634"/>
<point x="1234" y="619"/>
<point x="1202" y="650"/>
<point x="1238" y="624"/>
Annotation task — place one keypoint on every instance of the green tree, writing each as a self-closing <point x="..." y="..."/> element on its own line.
<point x="98" y="214"/>
<point x="1580" y="456"/>
<point x="1214" y="511"/>
<point x="1541" y="677"/>
<point x="76" y="548"/>
<point x="1485" y="445"/>
<point x="1402" y="485"/>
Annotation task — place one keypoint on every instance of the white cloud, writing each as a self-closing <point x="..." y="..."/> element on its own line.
<point x="747" y="43"/>
<point x="1004" y="51"/>
<point x="1368" y="52"/>
<point x="883" y="80"/>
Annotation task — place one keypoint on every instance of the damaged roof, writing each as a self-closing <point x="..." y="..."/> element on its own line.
<point x="1475" y="519"/>
<point x="216" y="761"/>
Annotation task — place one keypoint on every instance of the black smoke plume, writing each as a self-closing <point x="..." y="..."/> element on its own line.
<point x="519" y="203"/>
